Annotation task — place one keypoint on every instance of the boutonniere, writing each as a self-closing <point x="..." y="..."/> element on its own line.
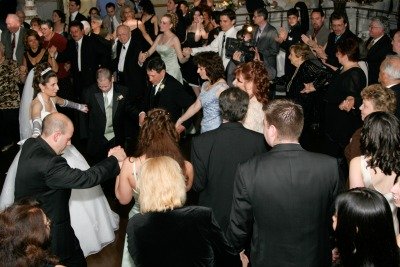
<point x="120" y="97"/>
<point x="161" y="87"/>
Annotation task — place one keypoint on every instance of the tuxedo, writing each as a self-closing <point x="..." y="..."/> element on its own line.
<point x="376" y="54"/>
<point x="6" y="39"/>
<point x="170" y="96"/>
<point x="215" y="156"/>
<point x="267" y="46"/>
<point x="95" y="120"/>
<point x="46" y="177"/>
<point x="79" y="17"/>
<point x="283" y="202"/>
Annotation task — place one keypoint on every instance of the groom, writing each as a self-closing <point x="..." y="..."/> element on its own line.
<point x="44" y="175"/>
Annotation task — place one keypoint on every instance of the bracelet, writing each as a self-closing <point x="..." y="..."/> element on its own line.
<point x="146" y="53"/>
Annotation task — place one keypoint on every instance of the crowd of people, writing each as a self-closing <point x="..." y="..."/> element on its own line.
<point x="305" y="179"/>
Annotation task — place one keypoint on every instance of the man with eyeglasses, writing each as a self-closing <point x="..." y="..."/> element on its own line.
<point x="378" y="46"/>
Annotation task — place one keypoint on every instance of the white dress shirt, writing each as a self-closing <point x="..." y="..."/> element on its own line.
<point x="122" y="55"/>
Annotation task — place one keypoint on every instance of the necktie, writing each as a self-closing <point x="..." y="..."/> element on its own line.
<point x="70" y="19"/>
<point x="123" y="46"/>
<point x="112" y="24"/>
<point x="108" y="131"/>
<point x="13" y="41"/>
<point x="337" y="38"/>
<point x="370" y="44"/>
<point x="77" y="46"/>
<point x="258" y="35"/>
<point x="223" y="46"/>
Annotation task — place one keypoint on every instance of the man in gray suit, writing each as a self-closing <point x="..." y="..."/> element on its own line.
<point x="264" y="39"/>
<point x="111" y="21"/>
<point x="13" y="39"/>
<point x="283" y="199"/>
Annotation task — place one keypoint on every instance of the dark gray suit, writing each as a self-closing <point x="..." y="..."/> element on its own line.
<point x="6" y="40"/>
<point x="282" y="201"/>
<point x="267" y="46"/>
<point x="215" y="157"/>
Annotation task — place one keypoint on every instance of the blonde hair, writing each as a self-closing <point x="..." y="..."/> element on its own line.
<point x="161" y="185"/>
<point x="173" y="18"/>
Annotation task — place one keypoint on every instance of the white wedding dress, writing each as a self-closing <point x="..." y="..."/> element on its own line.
<point x="92" y="219"/>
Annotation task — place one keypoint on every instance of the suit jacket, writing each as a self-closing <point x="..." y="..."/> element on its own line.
<point x="330" y="48"/>
<point x="6" y="40"/>
<point x="283" y="201"/>
<point x="172" y="98"/>
<point x="107" y="23"/>
<point x="396" y="89"/>
<point x="266" y="45"/>
<point x="215" y="156"/>
<point x="46" y="177"/>
<point x="376" y="54"/>
<point x="95" y="120"/>
<point x="187" y="236"/>
<point x="79" y="17"/>
<point x="322" y="35"/>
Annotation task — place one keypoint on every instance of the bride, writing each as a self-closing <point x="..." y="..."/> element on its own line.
<point x="92" y="219"/>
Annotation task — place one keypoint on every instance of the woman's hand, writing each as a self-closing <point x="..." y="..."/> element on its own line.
<point x="347" y="104"/>
<point x="308" y="88"/>
<point x="244" y="259"/>
<point x="142" y="57"/>
<point x="84" y="108"/>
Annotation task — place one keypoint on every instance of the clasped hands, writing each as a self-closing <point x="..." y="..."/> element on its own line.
<point x="347" y="104"/>
<point x="119" y="153"/>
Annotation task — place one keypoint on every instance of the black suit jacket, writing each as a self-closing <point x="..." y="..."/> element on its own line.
<point x="376" y="54"/>
<point x="46" y="177"/>
<point x="95" y="119"/>
<point x="396" y="89"/>
<point x="79" y="17"/>
<point x="215" y="156"/>
<point x="182" y="237"/>
<point x="283" y="201"/>
<point x="8" y="51"/>
<point x="330" y="48"/>
<point x="172" y="98"/>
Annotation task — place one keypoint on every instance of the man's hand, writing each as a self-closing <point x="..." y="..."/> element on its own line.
<point x="117" y="152"/>
<point x="187" y="51"/>
<point x="180" y="128"/>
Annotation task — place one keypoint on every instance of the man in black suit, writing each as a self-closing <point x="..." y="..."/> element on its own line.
<point x="283" y="199"/>
<point x="379" y="45"/>
<point x="14" y="39"/>
<point x="216" y="154"/>
<point x="389" y="77"/>
<point x="44" y="175"/>
<point x="74" y="15"/>
<point x="109" y="112"/>
<point x="165" y="92"/>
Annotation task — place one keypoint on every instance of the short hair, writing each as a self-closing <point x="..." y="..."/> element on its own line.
<point x="77" y="2"/>
<point x="103" y="73"/>
<point x="262" y="12"/>
<point x="33" y="33"/>
<point x="318" y="10"/>
<point x="94" y="8"/>
<point x="185" y="3"/>
<point x="365" y="233"/>
<point x="380" y="142"/>
<point x="110" y="4"/>
<point x="391" y="66"/>
<point x="76" y="23"/>
<point x="36" y="20"/>
<point x="156" y="64"/>
<point x="293" y="12"/>
<point x="233" y="104"/>
<point x="42" y="75"/>
<point x="212" y="62"/>
<point x="229" y="13"/>
<point x="161" y="185"/>
<point x="301" y="50"/>
<point x="255" y="71"/>
<point x="383" y="22"/>
<point x="55" y="122"/>
<point x="48" y="22"/>
<point x="349" y="47"/>
<point x="24" y="236"/>
<point x="383" y="99"/>
<point x="96" y="17"/>
<point x="338" y="16"/>
<point x="286" y="116"/>
<point x="216" y="15"/>
<point x="60" y="14"/>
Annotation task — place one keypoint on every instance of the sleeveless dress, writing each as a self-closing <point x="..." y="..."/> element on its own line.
<point x="149" y="26"/>
<point x="168" y="55"/>
<point x="92" y="219"/>
<point x="127" y="260"/>
<point x="365" y="171"/>
<point x="189" y="69"/>
<point x="209" y="100"/>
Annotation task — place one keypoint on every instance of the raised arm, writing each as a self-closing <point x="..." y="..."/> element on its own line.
<point x="125" y="183"/>
<point x="69" y="104"/>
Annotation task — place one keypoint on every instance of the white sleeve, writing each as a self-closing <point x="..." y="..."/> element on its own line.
<point x="211" y="47"/>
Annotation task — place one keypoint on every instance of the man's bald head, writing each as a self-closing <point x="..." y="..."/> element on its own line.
<point x="13" y="23"/>
<point x="56" y="122"/>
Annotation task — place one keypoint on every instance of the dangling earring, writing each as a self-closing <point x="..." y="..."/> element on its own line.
<point x="355" y="248"/>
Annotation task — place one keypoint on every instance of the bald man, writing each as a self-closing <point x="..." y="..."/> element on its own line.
<point x="13" y="38"/>
<point x="45" y="176"/>
<point x="389" y="77"/>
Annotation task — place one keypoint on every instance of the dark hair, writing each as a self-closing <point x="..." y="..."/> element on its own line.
<point x="33" y="33"/>
<point x="286" y="116"/>
<point x="47" y="22"/>
<point x="318" y="10"/>
<point x="212" y="62"/>
<point x="209" y="12"/>
<point x="254" y="71"/>
<point x="93" y="8"/>
<point x="76" y="23"/>
<point x="338" y="16"/>
<point x="229" y="13"/>
<point x="349" y="46"/>
<point x="156" y="64"/>
<point x="293" y="12"/>
<point x="77" y="2"/>
<point x="304" y="16"/>
<point x="60" y="14"/>
<point x="262" y="12"/>
<point x="147" y="7"/>
<point x="216" y="15"/>
<point x="183" y="2"/>
<point x="365" y="233"/>
<point x="233" y="104"/>
<point x="111" y="4"/>
<point x="35" y="20"/>
<point x="42" y="75"/>
<point x="24" y="236"/>
<point x="380" y="140"/>
<point x="158" y="137"/>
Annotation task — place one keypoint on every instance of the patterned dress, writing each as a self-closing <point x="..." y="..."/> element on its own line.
<point x="9" y="78"/>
